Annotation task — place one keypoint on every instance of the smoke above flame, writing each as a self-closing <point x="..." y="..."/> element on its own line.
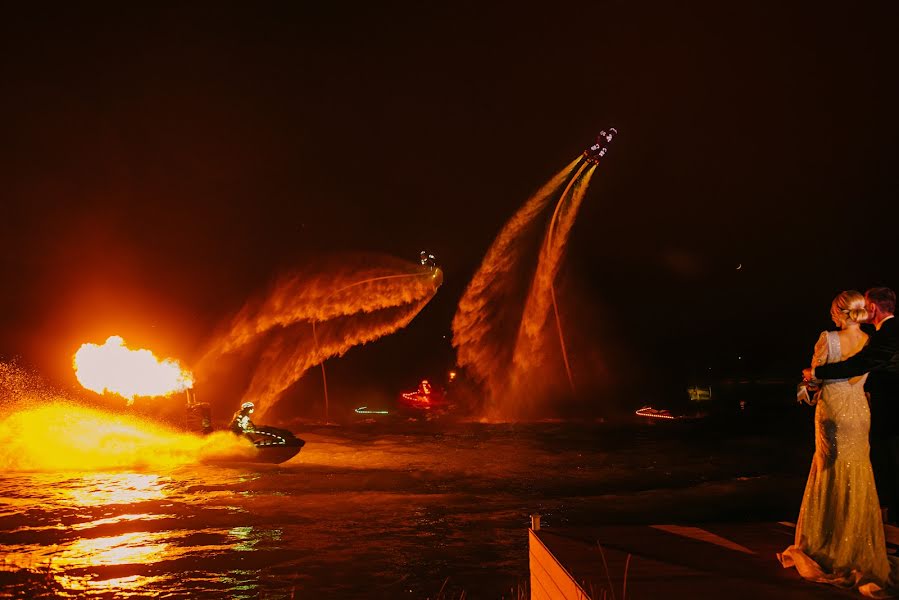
<point x="115" y="368"/>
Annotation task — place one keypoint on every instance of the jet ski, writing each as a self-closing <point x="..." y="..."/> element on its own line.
<point x="427" y="402"/>
<point x="663" y="413"/>
<point x="654" y="413"/>
<point x="273" y="445"/>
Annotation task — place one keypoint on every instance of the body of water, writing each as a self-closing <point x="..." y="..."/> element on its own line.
<point x="387" y="510"/>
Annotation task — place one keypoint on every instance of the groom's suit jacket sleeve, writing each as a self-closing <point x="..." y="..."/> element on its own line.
<point x="881" y="354"/>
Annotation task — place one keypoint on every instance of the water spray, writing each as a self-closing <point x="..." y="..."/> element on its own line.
<point x="486" y="311"/>
<point x="552" y="285"/>
<point x="426" y="260"/>
<point x="346" y="303"/>
<point x="315" y="337"/>
<point x="480" y="327"/>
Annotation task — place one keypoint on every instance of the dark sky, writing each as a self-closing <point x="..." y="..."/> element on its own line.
<point x="162" y="162"/>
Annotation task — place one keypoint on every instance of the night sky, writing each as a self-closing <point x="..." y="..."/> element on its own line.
<point x="160" y="164"/>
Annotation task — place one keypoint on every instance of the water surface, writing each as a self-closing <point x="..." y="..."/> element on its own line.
<point x="386" y="510"/>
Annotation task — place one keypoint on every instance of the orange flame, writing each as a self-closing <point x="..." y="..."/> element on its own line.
<point x="115" y="368"/>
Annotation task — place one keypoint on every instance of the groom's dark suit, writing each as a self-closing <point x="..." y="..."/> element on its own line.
<point x="880" y="358"/>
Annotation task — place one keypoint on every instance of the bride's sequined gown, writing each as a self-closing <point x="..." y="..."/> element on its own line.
<point x="839" y="534"/>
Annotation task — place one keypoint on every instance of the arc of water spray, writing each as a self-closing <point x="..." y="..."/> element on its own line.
<point x="552" y="286"/>
<point x="477" y="329"/>
<point x="489" y="309"/>
<point x="334" y="293"/>
<point x="303" y="297"/>
<point x="324" y="375"/>
<point x="551" y="252"/>
<point x="530" y="341"/>
<point x="287" y="357"/>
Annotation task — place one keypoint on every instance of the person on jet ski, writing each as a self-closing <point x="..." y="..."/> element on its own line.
<point x="241" y="422"/>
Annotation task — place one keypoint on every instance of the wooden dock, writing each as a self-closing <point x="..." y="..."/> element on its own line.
<point x="728" y="560"/>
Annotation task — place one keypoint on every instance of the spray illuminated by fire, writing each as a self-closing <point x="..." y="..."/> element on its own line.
<point x="484" y="323"/>
<point x="501" y="331"/>
<point x="536" y="337"/>
<point x="117" y="369"/>
<point x="320" y="312"/>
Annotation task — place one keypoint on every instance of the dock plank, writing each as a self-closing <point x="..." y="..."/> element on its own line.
<point x="734" y="560"/>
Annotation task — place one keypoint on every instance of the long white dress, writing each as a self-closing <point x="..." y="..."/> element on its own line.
<point x="839" y="534"/>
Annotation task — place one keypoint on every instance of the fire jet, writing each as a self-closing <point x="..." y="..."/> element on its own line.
<point x="599" y="149"/>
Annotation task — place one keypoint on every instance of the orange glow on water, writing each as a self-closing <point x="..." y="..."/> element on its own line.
<point x="124" y="549"/>
<point x="89" y="551"/>
<point x="115" y="368"/>
<point x="101" y="489"/>
<point x="65" y="436"/>
<point x="82" y="564"/>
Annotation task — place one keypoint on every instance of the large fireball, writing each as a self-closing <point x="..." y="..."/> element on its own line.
<point x="117" y="369"/>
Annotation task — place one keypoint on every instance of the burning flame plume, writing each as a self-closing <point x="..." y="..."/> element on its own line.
<point x="311" y="315"/>
<point x="499" y="331"/>
<point x="115" y="368"/>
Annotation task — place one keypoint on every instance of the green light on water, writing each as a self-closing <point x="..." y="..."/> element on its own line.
<point x="364" y="410"/>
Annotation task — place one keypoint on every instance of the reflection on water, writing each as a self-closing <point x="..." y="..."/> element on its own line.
<point x="93" y="490"/>
<point x="125" y="549"/>
<point x="115" y="585"/>
<point x="114" y="488"/>
<point x="376" y="511"/>
<point x="242" y="584"/>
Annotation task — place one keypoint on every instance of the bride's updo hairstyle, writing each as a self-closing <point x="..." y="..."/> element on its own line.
<point x="849" y="306"/>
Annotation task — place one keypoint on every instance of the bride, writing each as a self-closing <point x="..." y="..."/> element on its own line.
<point x="839" y="534"/>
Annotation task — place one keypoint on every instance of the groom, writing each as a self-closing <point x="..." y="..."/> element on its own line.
<point x="880" y="358"/>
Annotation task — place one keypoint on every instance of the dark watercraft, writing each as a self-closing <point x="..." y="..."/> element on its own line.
<point x="274" y="445"/>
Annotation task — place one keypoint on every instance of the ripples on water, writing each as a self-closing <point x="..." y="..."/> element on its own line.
<point x="381" y="510"/>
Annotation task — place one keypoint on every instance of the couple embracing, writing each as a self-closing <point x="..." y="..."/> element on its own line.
<point x="839" y="533"/>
